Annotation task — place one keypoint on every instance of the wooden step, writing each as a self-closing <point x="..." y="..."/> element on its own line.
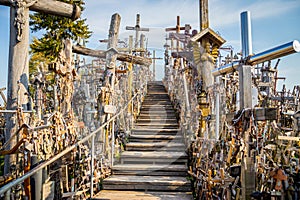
<point x="155" y="97"/>
<point x="157" y="123"/>
<point x="141" y="195"/>
<point x="156" y="117"/>
<point x="153" y="170"/>
<point x="157" y="114"/>
<point x="155" y="146"/>
<point x="155" y="132"/>
<point x="157" y="126"/>
<point x="146" y="183"/>
<point x="157" y="106"/>
<point x="158" y="111"/>
<point x="153" y="157"/>
<point x="157" y="138"/>
<point x="149" y="120"/>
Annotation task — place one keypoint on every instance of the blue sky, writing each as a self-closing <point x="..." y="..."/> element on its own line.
<point x="274" y="22"/>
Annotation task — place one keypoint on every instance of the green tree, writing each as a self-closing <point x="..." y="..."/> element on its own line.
<point x="45" y="49"/>
<point x="56" y="29"/>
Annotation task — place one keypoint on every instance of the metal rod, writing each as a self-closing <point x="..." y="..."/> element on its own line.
<point x="92" y="166"/>
<point x="217" y="110"/>
<point x="112" y="143"/>
<point x="246" y="34"/>
<point x="14" y="111"/>
<point x="276" y="52"/>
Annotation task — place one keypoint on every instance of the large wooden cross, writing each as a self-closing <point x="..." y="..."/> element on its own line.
<point x="18" y="70"/>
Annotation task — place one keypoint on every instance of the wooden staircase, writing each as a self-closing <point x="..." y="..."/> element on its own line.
<point x="154" y="163"/>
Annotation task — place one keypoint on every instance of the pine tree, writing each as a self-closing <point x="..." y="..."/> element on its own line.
<point x="45" y="49"/>
<point x="56" y="29"/>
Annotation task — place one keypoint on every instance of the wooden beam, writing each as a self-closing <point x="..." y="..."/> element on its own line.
<point x="121" y="56"/>
<point x="52" y="7"/>
<point x="204" y="21"/>
<point x="88" y="52"/>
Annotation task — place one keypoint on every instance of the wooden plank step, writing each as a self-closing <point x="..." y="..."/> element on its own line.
<point x="156" y="120"/>
<point x="157" y="104"/>
<point x="157" y="95"/>
<point x="153" y="157"/>
<point x="157" y="126"/>
<point x="157" y="109"/>
<point x="147" y="183"/>
<point x="172" y="130"/>
<point x="153" y="170"/>
<point x="140" y="195"/>
<point x="156" y="99"/>
<point x="162" y="123"/>
<point x="145" y="131"/>
<point x="157" y="112"/>
<point x="159" y="146"/>
<point x="150" y="138"/>
<point x="156" y="117"/>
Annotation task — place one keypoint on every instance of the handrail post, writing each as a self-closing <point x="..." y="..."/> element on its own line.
<point x="112" y="142"/>
<point x="92" y="166"/>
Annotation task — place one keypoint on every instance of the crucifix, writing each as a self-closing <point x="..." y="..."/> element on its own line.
<point x="137" y="29"/>
<point x="18" y="70"/>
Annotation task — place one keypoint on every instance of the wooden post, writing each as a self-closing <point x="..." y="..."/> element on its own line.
<point x="111" y="57"/>
<point x="17" y="90"/>
<point x="245" y="86"/>
<point x="130" y="42"/>
<point x="203" y="10"/>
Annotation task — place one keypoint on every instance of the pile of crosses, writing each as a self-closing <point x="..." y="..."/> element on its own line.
<point x="242" y="132"/>
<point x="69" y="101"/>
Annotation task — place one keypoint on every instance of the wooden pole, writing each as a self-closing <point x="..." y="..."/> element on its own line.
<point x="130" y="46"/>
<point x="203" y="9"/>
<point x="17" y="84"/>
<point x="120" y="56"/>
